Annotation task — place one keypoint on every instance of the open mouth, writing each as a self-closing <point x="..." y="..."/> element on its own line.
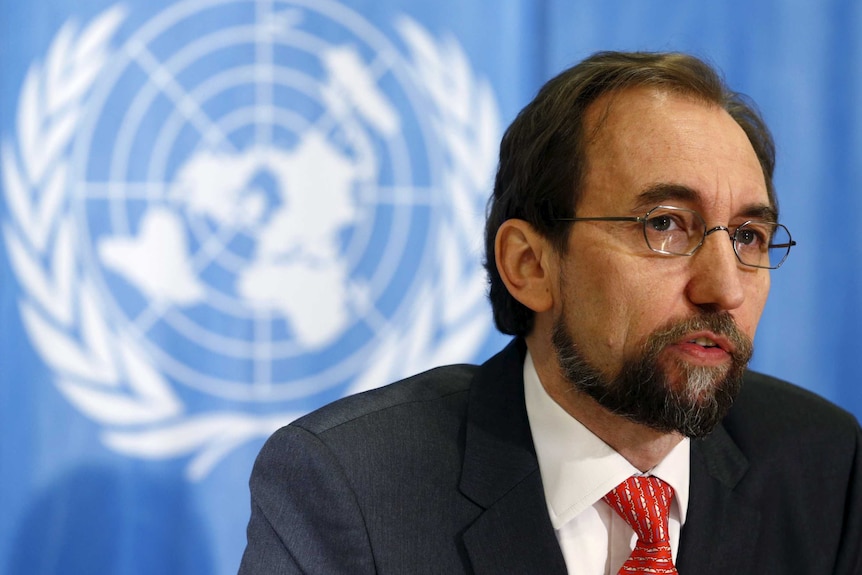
<point x="704" y="342"/>
<point x="706" y="346"/>
<point x="709" y="340"/>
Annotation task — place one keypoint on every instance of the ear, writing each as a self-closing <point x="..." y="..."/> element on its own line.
<point x="523" y="258"/>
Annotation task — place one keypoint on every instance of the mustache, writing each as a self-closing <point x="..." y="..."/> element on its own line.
<point x="718" y="322"/>
<point x="680" y="397"/>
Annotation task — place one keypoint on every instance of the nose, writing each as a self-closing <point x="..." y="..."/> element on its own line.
<point x="716" y="276"/>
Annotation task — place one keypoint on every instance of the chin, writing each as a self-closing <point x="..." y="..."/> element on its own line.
<point x="696" y="383"/>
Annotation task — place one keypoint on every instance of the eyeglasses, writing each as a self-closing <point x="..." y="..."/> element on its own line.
<point x="680" y="232"/>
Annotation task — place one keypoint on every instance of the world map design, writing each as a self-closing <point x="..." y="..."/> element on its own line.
<point x="213" y="236"/>
<point x="292" y="205"/>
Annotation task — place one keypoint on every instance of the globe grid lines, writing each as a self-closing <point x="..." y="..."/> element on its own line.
<point x="188" y="108"/>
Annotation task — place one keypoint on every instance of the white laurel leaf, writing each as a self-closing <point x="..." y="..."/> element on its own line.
<point x="56" y="63"/>
<point x="458" y="145"/>
<point x="30" y="114"/>
<point x="98" y="338"/>
<point x="80" y="82"/>
<point x="169" y="440"/>
<point x="59" y="351"/>
<point x="63" y="272"/>
<point x="94" y="40"/>
<point x="460" y="340"/>
<point x="110" y="408"/>
<point x="470" y="290"/>
<point x="240" y="431"/>
<point x="16" y="189"/>
<point x="90" y="52"/>
<point x="459" y="83"/>
<point x="48" y="209"/>
<point x="148" y="383"/>
<point x="35" y="280"/>
<point x="215" y="451"/>
<point x="487" y="119"/>
<point x="414" y="353"/>
<point x="73" y="64"/>
<point x="423" y="47"/>
<point x="38" y="149"/>
<point x="463" y="208"/>
<point x="396" y="354"/>
<point x="54" y="141"/>
<point x="153" y="401"/>
<point x="382" y="366"/>
<point x="69" y="73"/>
<point x="212" y="436"/>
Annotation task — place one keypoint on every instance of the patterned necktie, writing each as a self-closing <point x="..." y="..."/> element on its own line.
<point x="644" y="503"/>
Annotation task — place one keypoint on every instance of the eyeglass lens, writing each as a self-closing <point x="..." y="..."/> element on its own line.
<point x="679" y="231"/>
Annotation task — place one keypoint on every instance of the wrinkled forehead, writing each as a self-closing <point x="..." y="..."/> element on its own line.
<point x="643" y="140"/>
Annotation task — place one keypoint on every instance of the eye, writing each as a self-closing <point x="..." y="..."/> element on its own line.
<point x="746" y="237"/>
<point x="675" y="231"/>
<point x="665" y="223"/>
<point x="753" y="235"/>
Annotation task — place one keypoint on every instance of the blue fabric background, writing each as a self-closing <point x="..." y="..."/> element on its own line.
<point x="71" y="504"/>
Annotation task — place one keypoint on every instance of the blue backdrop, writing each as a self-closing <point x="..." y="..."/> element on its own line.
<point x="220" y="214"/>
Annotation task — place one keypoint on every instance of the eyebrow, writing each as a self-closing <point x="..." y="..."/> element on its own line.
<point x="657" y="194"/>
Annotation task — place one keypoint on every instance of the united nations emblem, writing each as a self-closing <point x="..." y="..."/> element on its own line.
<point x="243" y="209"/>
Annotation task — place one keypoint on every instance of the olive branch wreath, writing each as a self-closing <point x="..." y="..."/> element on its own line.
<point x="97" y="365"/>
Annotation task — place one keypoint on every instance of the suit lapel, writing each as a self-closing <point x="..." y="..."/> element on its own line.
<point x="720" y="528"/>
<point x="501" y="474"/>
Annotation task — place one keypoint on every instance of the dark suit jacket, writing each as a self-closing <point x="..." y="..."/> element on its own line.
<point x="438" y="474"/>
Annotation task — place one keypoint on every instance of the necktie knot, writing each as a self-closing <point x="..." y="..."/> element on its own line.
<point x="644" y="503"/>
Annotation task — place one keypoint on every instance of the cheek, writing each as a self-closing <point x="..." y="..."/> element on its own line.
<point x="749" y="318"/>
<point x="648" y="311"/>
<point x="601" y="309"/>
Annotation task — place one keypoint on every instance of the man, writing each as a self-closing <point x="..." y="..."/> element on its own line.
<point x="630" y="240"/>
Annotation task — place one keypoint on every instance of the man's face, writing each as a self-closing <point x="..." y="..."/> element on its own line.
<point x="650" y="327"/>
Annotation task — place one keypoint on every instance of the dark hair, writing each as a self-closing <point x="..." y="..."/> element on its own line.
<point x="543" y="152"/>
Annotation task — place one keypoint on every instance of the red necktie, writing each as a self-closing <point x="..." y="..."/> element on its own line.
<point x="644" y="503"/>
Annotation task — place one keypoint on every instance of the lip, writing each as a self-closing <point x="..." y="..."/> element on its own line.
<point x="721" y="341"/>
<point x="698" y="353"/>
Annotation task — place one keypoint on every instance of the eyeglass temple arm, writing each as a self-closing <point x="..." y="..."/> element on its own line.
<point x="790" y="245"/>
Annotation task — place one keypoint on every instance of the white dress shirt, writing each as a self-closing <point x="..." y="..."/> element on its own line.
<point x="578" y="469"/>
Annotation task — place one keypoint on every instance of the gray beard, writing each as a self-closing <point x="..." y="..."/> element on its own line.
<point x="643" y="391"/>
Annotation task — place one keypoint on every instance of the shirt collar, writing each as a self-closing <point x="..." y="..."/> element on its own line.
<point x="577" y="467"/>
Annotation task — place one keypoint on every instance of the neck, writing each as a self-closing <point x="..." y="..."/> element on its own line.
<point x="642" y="446"/>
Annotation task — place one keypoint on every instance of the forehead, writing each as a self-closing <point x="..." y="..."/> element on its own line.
<point x="641" y="140"/>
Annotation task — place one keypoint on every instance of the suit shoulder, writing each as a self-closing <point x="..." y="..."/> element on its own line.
<point x="444" y="385"/>
<point x="767" y="402"/>
<point x="765" y="388"/>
